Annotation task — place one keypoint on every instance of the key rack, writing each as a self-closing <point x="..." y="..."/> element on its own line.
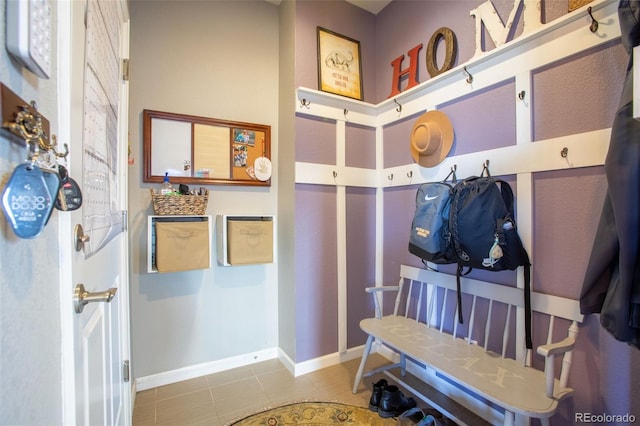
<point x="21" y="121"/>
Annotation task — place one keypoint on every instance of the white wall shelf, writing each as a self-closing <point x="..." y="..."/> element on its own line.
<point x="244" y="239"/>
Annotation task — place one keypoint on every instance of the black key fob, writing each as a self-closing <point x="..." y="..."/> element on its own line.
<point x="70" y="196"/>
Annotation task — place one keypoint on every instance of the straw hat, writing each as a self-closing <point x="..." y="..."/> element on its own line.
<point x="431" y="138"/>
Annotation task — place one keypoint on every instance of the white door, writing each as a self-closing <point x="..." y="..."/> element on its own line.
<point x="93" y="115"/>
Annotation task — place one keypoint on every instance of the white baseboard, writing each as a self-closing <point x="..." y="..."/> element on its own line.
<point x="186" y="373"/>
<point x="327" y="361"/>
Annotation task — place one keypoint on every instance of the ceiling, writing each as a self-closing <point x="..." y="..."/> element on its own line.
<point x="373" y="6"/>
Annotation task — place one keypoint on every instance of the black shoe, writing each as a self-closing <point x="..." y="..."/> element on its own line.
<point x="393" y="402"/>
<point x="376" y="395"/>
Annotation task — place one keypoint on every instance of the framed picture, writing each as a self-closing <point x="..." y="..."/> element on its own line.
<point x="339" y="64"/>
<point x="203" y="150"/>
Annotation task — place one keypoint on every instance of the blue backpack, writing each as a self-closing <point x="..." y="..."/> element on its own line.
<point x="430" y="238"/>
<point x="471" y="224"/>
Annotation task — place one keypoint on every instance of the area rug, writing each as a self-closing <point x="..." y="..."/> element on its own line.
<point x="316" y="414"/>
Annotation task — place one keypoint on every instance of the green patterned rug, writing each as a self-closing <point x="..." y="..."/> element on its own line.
<point x="316" y="414"/>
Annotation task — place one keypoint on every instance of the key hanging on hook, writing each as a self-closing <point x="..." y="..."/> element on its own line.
<point x="29" y="183"/>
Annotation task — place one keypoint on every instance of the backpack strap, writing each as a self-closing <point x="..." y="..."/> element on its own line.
<point x="459" y="293"/>
<point x="527" y="298"/>
<point x="527" y="301"/>
<point x="507" y="195"/>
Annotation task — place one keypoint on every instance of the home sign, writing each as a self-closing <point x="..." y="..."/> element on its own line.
<point x="497" y="30"/>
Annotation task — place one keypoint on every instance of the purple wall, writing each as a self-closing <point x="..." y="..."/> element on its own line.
<point x="577" y="94"/>
<point x="361" y="245"/>
<point x="342" y="18"/>
<point x="395" y="138"/>
<point x="483" y="120"/>
<point x="360" y="146"/>
<point x="316" y="272"/>
<point x="315" y="140"/>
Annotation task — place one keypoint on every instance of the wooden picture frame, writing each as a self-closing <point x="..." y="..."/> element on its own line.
<point x="339" y="64"/>
<point x="202" y="150"/>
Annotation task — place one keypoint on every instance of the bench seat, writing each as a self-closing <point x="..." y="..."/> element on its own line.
<point x="504" y="381"/>
<point x="508" y="383"/>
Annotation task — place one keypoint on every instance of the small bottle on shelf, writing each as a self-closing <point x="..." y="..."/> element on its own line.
<point x="167" y="188"/>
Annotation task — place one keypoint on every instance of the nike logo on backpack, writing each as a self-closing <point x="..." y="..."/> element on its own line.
<point x="427" y="198"/>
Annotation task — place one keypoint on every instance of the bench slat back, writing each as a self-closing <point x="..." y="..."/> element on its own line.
<point x="430" y="297"/>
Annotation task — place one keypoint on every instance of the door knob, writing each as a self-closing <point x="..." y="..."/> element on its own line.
<point x="81" y="297"/>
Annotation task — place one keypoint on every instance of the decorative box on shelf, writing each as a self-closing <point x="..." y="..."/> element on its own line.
<point x="179" y="243"/>
<point x="169" y="205"/>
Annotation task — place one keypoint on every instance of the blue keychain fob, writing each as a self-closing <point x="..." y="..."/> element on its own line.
<point x="26" y="201"/>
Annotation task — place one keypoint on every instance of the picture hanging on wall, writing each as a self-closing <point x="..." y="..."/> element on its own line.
<point x="339" y="64"/>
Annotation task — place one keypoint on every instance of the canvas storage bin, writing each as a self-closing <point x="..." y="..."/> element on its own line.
<point x="182" y="246"/>
<point x="249" y="240"/>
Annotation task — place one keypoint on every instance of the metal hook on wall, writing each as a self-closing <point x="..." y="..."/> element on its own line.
<point x="564" y="153"/>
<point x="452" y="174"/>
<point x="304" y="103"/>
<point x="28" y="126"/>
<point x="410" y="175"/>
<point x="485" y="168"/>
<point x="55" y="144"/>
<point x="468" y="74"/>
<point x="399" y="107"/>
<point x="390" y="177"/>
<point x="521" y="95"/>
<point x="594" y="24"/>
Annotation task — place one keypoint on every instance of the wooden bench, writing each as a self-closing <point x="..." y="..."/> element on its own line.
<point x="486" y="355"/>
